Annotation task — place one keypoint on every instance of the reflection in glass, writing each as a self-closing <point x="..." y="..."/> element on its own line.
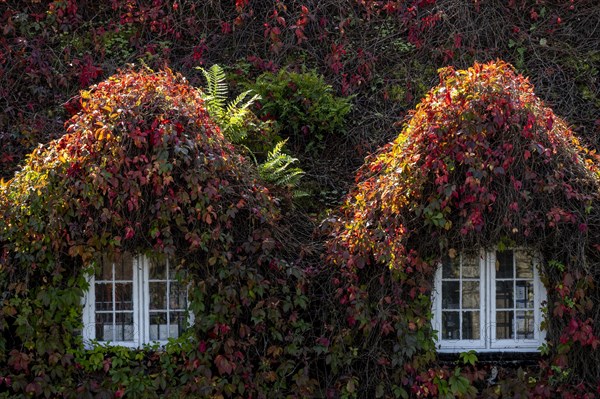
<point x="177" y="320"/>
<point x="470" y="266"/>
<point x="161" y="329"/>
<point x="504" y="294"/>
<point x="106" y="270"/>
<point x="104" y="296"/>
<point x="114" y="327"/>
<point x="525" y="324"/>
<point x="504" y="325"/>
<point x="470" y="326"/>
<point x="124" y="296"/>
<point x="124" y="326"/>
<point x="158" y="270"/>
<point x="104" y="320"/>
<point x="124" y="267"/>
<point x="450" y="267"/>
<point x="524" y="264"/>
<point x="470" y="295"/>
<point x="158" y="326"/>
<point x="450" y="295"/>
<point x="177" y="297"/>
<point x="524" y="294"/>
<point x="168" y="299"/>
<point x="450" y="325"/>
<point x="158" y="295"/>
<point x="504" y="264"/>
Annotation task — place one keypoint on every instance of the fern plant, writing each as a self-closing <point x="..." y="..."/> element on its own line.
<point x="278" y="168"/>
<point x="232" y="117"/>
<point x="236" y="119"/>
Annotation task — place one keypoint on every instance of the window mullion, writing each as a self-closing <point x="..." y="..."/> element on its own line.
<point x="114" y="300"/>
<point x="143" y="299"/>
<point x="514" y="294"/>
<point x="437" y="304"/>
<point x="489" y="277"/>
<point x="460" y="297"/>
<point x="89" y="311"/>
<point x="168" y="299"/>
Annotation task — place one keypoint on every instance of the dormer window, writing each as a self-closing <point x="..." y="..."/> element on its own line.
<point x="489" y="301"/>
<point x="133" y="301"/>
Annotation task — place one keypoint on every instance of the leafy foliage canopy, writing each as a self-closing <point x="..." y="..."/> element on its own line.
<point x="481" y="162"/>
<point x="143" y="169"/>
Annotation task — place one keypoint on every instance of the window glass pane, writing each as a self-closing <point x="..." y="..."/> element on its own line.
<point x="470" y="326"/>
<point x="124" y="296"/>
<point x="158" y="270"/>
<point x="104" y="327"/>
<point x="103" y="296"/>
<point x="124" y="326"/>
<point x="450" y="267"/>
<point x="504" y="294"/>
<point x="525" y="324"/>
<point x="106" y="270"/>
<point x="161" y="330"/>
<point x="177" y="297"/>
<point x="504" y="264"/>
<point x="158" y="326"/>
<point x="470" y="295"/>
<point x="504" y="325"/>
<point x="450" y="325"/>
<point x="158" y="295"/>
<point x="177" y="322"/>
<point x="470" y="266"/>
<point x="450" y="295"/>
<point x="524" y="264"/>
<point x="524" y="294"/>
<point x="124" y="267"/>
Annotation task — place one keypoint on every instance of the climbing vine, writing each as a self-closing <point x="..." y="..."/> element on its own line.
<point x="481" y="162"/>
<point x="143" y="170"/>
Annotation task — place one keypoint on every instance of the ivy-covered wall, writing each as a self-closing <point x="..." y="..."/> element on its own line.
<point x="386" y="53"/>
<point x="482" y="162"/>
<point x="142" y="169"/>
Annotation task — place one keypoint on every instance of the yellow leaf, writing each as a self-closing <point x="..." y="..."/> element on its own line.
<point x="85" y="95"/>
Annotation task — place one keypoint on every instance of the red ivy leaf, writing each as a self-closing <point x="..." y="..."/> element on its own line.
<point x="223" y="365"/>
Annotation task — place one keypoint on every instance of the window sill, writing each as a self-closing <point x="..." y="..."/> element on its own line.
<point x="499" y="358"/>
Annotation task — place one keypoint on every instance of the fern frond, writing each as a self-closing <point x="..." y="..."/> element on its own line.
<point x="276" y="151"/>
<point x="231" y="116"/>
<point x="296" y="194"/>
<point x="235" y="104"/>
<point x="216" y="88"/>
<point x="278" y="170"/>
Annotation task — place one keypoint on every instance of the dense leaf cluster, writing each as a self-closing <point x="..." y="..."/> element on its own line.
<point x="385" y="52"/>
<point x="303" y="106"/>
<point x="481" y="162"/>
<point x="142" y="169"/>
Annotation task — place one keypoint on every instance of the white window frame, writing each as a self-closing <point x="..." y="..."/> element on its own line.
<point x="488" y="341"/>
<point x="141" y="307"/>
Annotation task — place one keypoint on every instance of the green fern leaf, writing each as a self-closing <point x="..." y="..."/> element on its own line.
<point x="231" y="117"/>
<point x="216" y="88"/>
<point x="278" y="170"/>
